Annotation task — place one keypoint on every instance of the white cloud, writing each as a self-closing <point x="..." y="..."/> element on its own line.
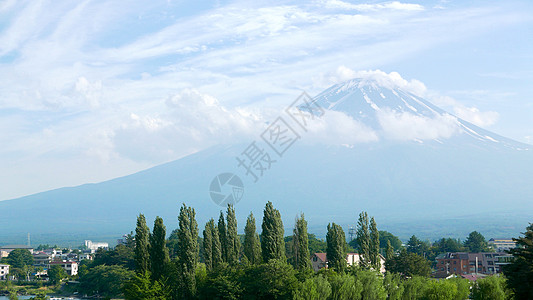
<point x="391" y="80"/>
<point x="476" y="117"/>
<point x="189" y="121"/>
<point x="337" y="128"/>
<point x="394" y="5"/>
<point x="407" y="126"/>
<point x="468" y="113"/>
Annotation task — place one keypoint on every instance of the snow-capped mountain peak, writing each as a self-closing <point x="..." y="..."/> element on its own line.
<point x="387" y="108"/>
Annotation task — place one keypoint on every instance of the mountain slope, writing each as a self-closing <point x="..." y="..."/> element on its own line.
<point x="444" y="169"/>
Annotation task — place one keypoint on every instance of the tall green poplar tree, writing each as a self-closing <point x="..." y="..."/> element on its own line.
<point x="233" y="243"/>
<point x="158" y="249"/>
<point x="336" y="248"/>
<point x="208" y="246"/>
<point x="252" y="248"/>
<point x="363" y="240"/>
<point x="375" y="260"/>
<point x="142" y="245"/>
<point x="301" y="244"/>
<point x="272" y="242"/>
<point x="187" y="252"/>
<point x="222" y="237"/>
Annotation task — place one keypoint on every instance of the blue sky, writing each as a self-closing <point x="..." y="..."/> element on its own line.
<point x="92" y="90"/>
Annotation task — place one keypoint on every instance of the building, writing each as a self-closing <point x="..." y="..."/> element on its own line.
<point x="4" y="271"/>
<point x="6" y="249"/>
<point x="71" y="267"/>
<point x="462" y="263"/>
<point x="95" y="246"/>
<point x="502" y="245"/>
<point x="41" y="258"/>
<point x="84" y="256"/>
<point x="319" y="261"/>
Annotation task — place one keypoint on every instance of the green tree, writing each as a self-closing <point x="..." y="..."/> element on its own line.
<point x="216" y="248"/>
<point x="463" y="287"/>
<point x="491" y="287"/>
<point x="363" y="240"/>
<point x="414" y="245"/>
<point x="272" y="242"/>
<point x="375" y="260"/>
<point x="447" y="245"/>
<point x="232" y="240"/>
<point x="372" y="282"/>
<point x="390" y="251"/>
<point x="440" y="290"/>
<point x="408" y="264"/>
<point x="19" y="258"/>
<point x="336" y="250"/>
<point x="345" y="287"/>
<point x="56" y="273"/>
<point x="208" y="245"/>
<point x="141" y="287"/>
<point x="300" y="245"/>
<point x="519" y="272"/>
<point x="188" y="252"/>
<point x="272" y="280"/>
<point x="142" y="245"/>
<point x="316" y="245"/>
<point x="315" y="288"/>
<point x="106" y="281"/>
<point x="122" y="255"/>
<point x="159" y="258"/>
<point x="222" y="283"/>
<point x="392" y="282"/>
<point x="252" y="248"/>
<point x="385" y="236"/>
<point x="172" y="244"/>
<point x="414" y="288"/>
<point x="222" y="237"/>
<point x="475" y="242"/>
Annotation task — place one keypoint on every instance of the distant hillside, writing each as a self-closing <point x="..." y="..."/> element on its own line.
<point x="444" y="186"/>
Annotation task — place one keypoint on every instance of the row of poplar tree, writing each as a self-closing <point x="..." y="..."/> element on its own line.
<point x="158" y="277"/>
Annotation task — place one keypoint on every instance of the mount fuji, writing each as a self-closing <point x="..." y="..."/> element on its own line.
<point x="377" y="148"/>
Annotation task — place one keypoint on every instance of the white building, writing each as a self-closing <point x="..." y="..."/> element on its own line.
<point x="4" y="271"/>
<point x="95" y="246"/>
<point x="71" y="267"/>
<point x="84" y="256"/>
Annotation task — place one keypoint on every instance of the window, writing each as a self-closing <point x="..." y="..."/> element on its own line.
<point x="314" y="258"/>
<point x="491" y="263"/>
<point x="454" y="262"/>
<point x="455" y="269"/>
